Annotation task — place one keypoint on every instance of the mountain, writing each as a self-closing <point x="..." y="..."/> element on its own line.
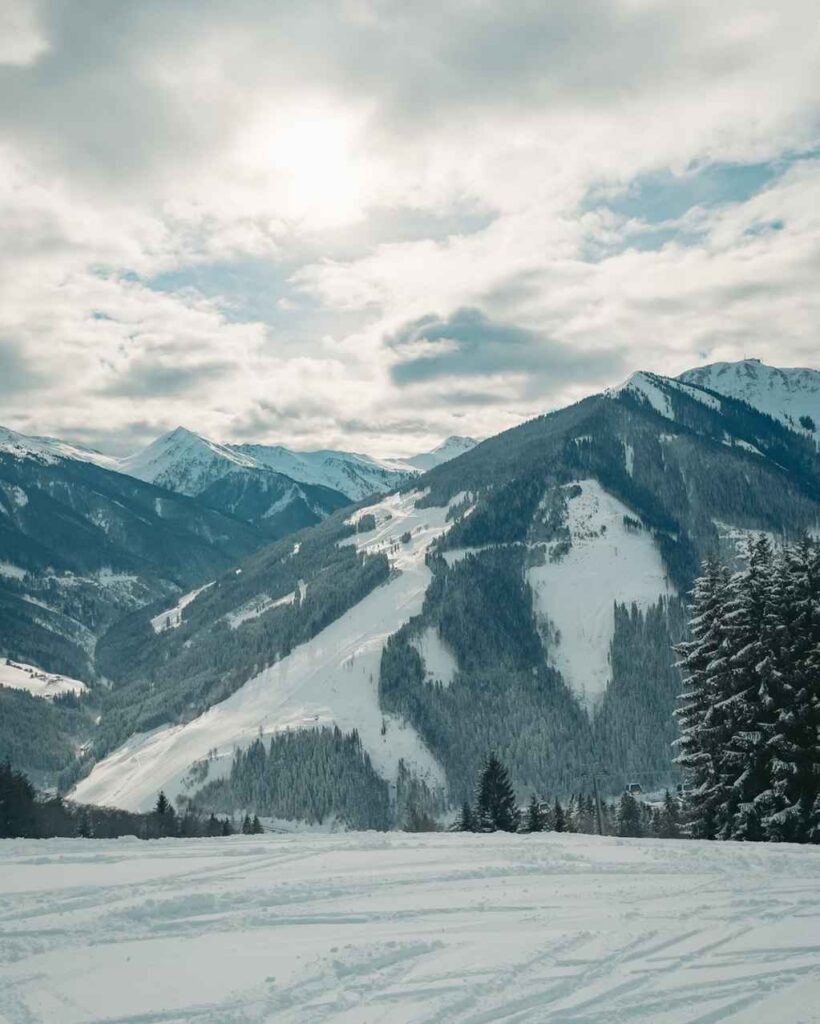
<point x="449" y="449"/>
<point x="81" y="544"/>
<point x="189" y="463"/>
<point x="522" y="597"/>
<point x="791" y="396"/>
<point x="234" y="481"/>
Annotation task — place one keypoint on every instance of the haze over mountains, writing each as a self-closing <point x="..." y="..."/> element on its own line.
<point x="523" y="594"/>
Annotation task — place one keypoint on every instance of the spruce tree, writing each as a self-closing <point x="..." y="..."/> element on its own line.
<point x="534" y="821"/>
<point x="629" y="817"/>
<point x="791" y="805"/>
<point x="466" y="820"/>
<point x="704" y="666"/>
<point x="747" y="709"/>
<point x="669" y="824"/>
<point x="559" y="819"/>
<point x="495" y="804"/>
<point x="256" y="826"/>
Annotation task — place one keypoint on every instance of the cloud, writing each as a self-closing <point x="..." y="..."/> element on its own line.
<point x="149" y="379"/>
<point x="242" y="217"/>
<point x="16" y="375"/>
<point x="467" y="343"/>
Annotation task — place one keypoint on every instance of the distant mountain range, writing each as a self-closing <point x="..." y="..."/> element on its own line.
<point x="523" y="595"/>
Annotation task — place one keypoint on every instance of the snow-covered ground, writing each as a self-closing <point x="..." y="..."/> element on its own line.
<point x="332" y="679"/>
<point x="19" y="676"/>
<point x="440" y="663"/>
<point x="171" y="618"/>
<point x="369" y="928"/>
<point x="607" y="562"/>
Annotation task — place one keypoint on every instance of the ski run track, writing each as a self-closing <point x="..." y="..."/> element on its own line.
<point x="360" y="928"/>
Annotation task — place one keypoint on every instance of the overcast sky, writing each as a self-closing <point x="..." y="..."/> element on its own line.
<point x="370" y="224"/>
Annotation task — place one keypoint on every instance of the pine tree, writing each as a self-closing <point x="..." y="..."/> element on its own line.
<point x="466" y="819"/>
<point x="161" y="807"/>
<point x="629" y="817"/>
<point x="791" y="806"/>
<point x="256" y="826"/>
<point x="704" y="666"/>
<point x="534" y="821"/>
<point x="559" y="819"/>
<point x="747" y="710"/>
<point x="246" y="825"/>
<point x="669" y="824"/>
<point x="495" y="804"/>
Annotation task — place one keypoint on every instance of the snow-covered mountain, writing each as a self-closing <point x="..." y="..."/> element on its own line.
<point x="449" y="449"/>
<point x="187" y="462"/>
<point x="536" y="581"/>
<point x="50" y="449"/>
<point x="184" y="462"/>
<point x="790" y="395"/>
<point x="356" y="476"/>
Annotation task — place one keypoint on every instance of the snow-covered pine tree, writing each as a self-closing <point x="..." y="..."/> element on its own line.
<point x="703" y="667"/>
<point x="792" y="803"/>
<point x="747" y="710"/>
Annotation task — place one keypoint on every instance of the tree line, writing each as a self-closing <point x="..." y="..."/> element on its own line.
<point x="494" y="809"/>
<point x="26" y="813"/>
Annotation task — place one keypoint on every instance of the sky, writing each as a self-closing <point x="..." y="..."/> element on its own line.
<point x="370" y="224"/>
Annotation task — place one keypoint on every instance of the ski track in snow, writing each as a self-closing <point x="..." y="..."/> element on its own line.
<point x="331" y="679"/>
<point x="362" y="928"/>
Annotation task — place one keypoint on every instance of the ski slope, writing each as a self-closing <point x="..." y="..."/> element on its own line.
<point x="607" y="562"/>
<point x="369" y="928"/>
<point x="331" y="680"/>
<point x="171" y="618"/>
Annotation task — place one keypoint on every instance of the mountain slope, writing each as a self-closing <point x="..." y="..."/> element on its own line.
<point x="551" y="562"/>
<point x="233" y="481"/>
<point x="791" y="396"/>
<point x="80" y="545"/>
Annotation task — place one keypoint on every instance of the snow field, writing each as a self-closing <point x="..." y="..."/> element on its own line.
<point x="331" y="680"/>
<point x="440" y="664"/>
<point x="171" y="618"/>
<point x="365" y="928"/>
<point x="606" y="563"/>
<point x="20" y="676"/>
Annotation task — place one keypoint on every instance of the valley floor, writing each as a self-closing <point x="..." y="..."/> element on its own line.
<point x="431" y="929"/>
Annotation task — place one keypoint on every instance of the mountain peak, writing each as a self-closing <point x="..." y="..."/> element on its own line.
<point x="788" y="394"/>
